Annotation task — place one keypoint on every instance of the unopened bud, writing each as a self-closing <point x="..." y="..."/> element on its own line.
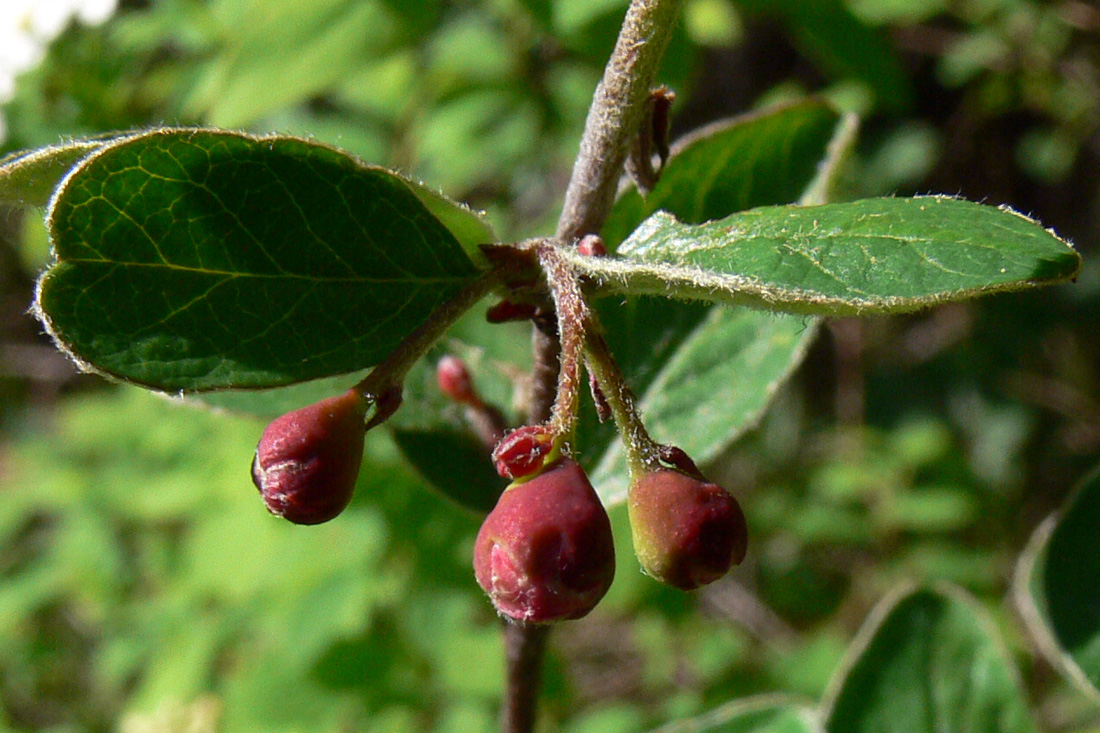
<point x="453" y="379"/>
<point x="523" y="451"/>
<point x="308" y="460"/>
<point x="545" y="552"/>
<point x="687" y="532"/>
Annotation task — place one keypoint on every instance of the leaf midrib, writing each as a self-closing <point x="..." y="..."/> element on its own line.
<point x="419" y="279"/>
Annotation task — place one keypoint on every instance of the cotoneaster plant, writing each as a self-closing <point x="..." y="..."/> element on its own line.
<point x="194" y="261"/>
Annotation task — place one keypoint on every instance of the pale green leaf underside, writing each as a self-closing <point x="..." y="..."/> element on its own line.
<point x="869" y="256"/>
<point x="1057" y="588"/>
<point x="765" y="714"/>
<point x="928" y="661"/>
<point x="28" y="178"/>
<point x="190" y="260"/>
<point x="714" y="387"/>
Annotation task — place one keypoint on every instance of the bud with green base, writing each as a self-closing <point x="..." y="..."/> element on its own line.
<point x="307" y="461"/>
<point x="687" y="531"/>
<point x="545" y="553"/>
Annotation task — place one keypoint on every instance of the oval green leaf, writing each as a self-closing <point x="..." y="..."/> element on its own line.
<point x="189" y="260"/>
<point x="926" y="660"/>
<point x="1057" y="589"/>
<point x="869" y="256"/>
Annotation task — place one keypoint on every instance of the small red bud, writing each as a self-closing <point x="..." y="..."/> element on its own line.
<point x="454" y="380"/>
<point x="687" y="532"/>
<point x="522" y="451"/>
<point x="545" y="552"/>
<point x="308" y="460"/>
<point x="592" y="245"/>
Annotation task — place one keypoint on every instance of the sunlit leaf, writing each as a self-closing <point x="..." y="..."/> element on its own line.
<point x="192" y="260"/>
<point x="869" y="256"/>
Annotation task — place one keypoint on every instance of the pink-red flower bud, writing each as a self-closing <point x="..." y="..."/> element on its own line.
<point x="523" y="451"/>
<point x="545" y="552"/>
<point x="308" y="460"/>
<point x="687" y="532"/>
<point x="453" y="379"/>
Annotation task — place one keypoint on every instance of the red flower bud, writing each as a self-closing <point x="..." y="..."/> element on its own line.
<point x="308" y="460"/>
<point x="545" y="553"/>
<point x="522" y="452"/>
<point x="687" y="531"/>
<point x="454" y="380"/>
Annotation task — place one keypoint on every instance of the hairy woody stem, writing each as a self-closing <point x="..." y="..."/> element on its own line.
<point x="613" y="119"/>
<point x="612" y="124"/>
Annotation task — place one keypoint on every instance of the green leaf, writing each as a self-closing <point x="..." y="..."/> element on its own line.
<point x="1056" y="587"/>
<point x="193" y="260"/>
<point x="712" y="387"/>
<point x="765" y="714"/>
<point x="28" y="178"/>
<point x="252" y="74"/>
<point x="927" y="659"/>
<point x="756" y="160"/>
<point x="869" y="256"/>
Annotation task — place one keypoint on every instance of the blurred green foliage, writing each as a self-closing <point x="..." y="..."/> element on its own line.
<point x="144" y="587"/>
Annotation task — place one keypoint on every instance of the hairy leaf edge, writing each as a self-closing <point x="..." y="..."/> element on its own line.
<point x="622" y="276"/>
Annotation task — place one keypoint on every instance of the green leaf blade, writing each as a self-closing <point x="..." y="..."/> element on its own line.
<point x="867" y="256"/>
<point x="1057" y="591"/>
<point x="928" y="660"/>
<point x="194" y="260"/>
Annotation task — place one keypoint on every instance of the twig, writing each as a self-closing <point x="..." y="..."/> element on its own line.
<point x="613" y="119"/>
<point x="615" y="115"/>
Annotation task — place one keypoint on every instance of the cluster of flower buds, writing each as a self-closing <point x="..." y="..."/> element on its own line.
<point x="545" y="552"/>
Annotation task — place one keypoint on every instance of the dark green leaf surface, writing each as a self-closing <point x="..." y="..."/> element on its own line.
<point x="1058" y="590"/>
<point x="759" y="715"/>
<point x="760" y="159"/>
<point x="194" y="260"/>
<point x="868" y="256"/>
<point x="29" y="178"/>
<point x="928" y="661"/>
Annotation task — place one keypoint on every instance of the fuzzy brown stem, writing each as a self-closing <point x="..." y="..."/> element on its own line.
<point x="615" y="115"/>
<point x="617" y="109"/>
